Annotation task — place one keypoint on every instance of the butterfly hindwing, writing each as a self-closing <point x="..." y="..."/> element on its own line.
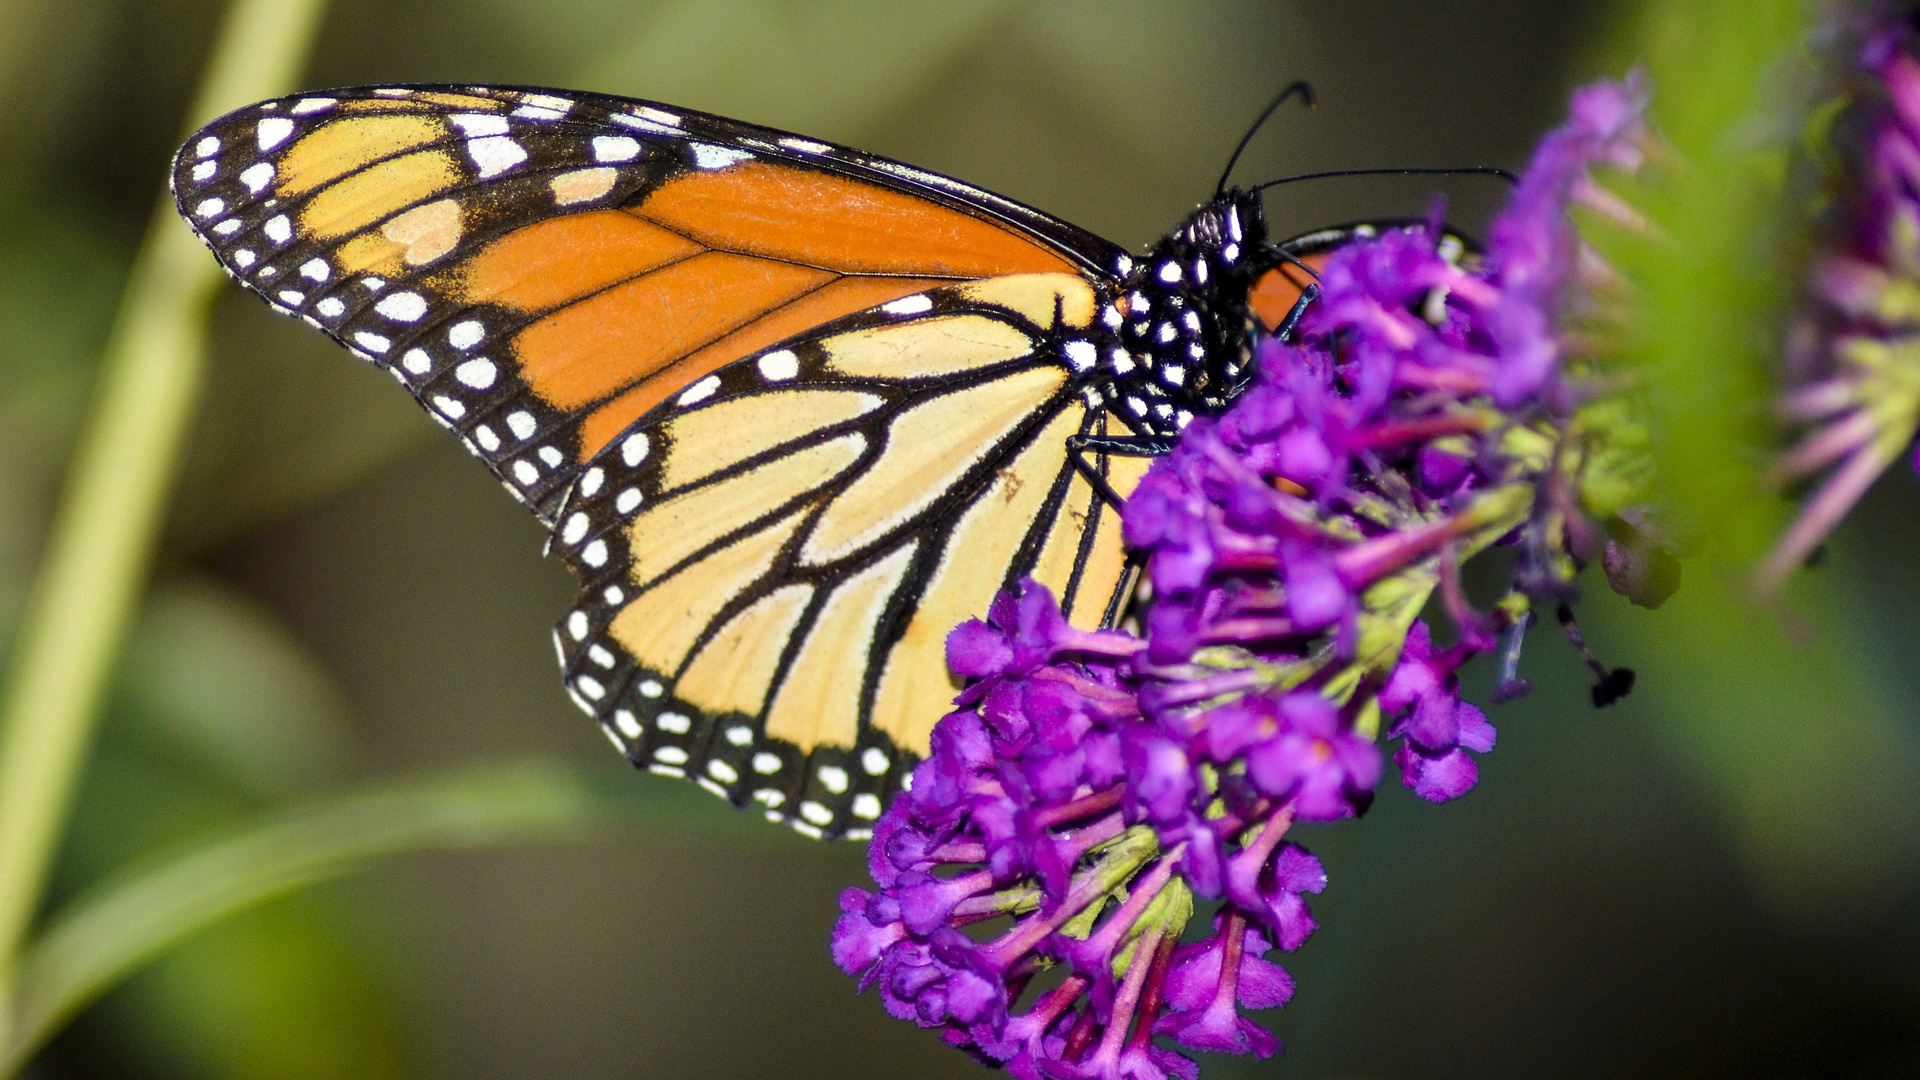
<point x="772" y="560"/>
<point x="541" y="269"/>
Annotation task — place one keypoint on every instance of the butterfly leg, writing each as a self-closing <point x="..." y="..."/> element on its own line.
<point x="1081" y="450"/>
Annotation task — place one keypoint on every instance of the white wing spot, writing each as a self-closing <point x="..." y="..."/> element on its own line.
<point x="578" y="625"/>
<point x="866" y="806"/>
<point x="767" y="764"/>
<point x="651" y="688"/>
<point x="628" y="723"/>
<point x="594" y="554"/>
<point x="488" y="439"/>
<point x="257" y="177"/>
<point x="613" y="595"/>
<point x="591" y="480"/>
<point x="522" y="424"/>
<point x="448" y="407"/>
<point x="210" y="207"/>
<point x="552" y="456"/>
<point x="465" y="335"/>
<point x="700" y="391"/>
<point x="672" y="755"/>
<point x="676" y="723"/>
<point x="373" y="343"/>
<point x="313" y="105"/>
<point x="479" y="125"/>
<point x="574" y="529"/>
<point x="599" y="655"/>
<point x="332" y="307"/>
<point x="627" y="501"/>
<point x="806" y="146"/>
<point x="1080" y="354"/>
<point x="278" y="229"/>
<point x="402" y="307"/>
<point x="722" y="772"/>
<point x="417" y="362"/>
<point x="273" y="131"/>
<point x="478" y="373"/>
<point x="779" y="365"/>
<point x="292" y="297"/>
<point x="875" y="761"/>
<point x="815" y="813"/>
<point x="615" y="148"/>
<point x="206" y="147"/>
<point x="658" y="116"/>
<point x="833" y="778"/>
<point x="495" y="154"/>
<point x="204" y="171"/>
<point x="709" y="156"/>
<point x="740" y="735"/>
<point x="633" y="450"/>
<point x="908" y="305"/>
<point x="315" y="269"/>
<point x="590" y="686"/>
<point x="1170" y="272"/>
<point x="772" y="797"/>
<point x="526" y="472"/>
<point x="242" y="258"/>
<point x="227" y="228"/>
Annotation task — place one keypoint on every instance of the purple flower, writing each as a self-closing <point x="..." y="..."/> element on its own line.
<point x="1853" y="383"/>
<point x="1092" y="788"/>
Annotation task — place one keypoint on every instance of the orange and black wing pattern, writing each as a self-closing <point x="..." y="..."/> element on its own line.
<point x="792" y="411"/>
<point x="540" y="270"/>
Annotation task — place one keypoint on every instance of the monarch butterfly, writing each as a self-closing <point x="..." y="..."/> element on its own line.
<point x="791" y="411"/>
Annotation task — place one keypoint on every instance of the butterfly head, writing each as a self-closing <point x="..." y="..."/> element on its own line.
<point x="1186" y="316"/>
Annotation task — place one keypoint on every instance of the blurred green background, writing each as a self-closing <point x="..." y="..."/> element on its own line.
<point x="342" y="597"/>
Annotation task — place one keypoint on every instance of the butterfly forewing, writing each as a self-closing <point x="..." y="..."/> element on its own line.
<point x="773" y="559"/>
<point x="540" y="270"/>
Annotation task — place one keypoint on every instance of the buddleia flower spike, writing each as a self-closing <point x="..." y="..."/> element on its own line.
<point x="1854" y="356"/>
<point x="1094" y="871"/>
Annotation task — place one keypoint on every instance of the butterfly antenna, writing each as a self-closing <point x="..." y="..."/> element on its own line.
<point x="1301" y="89"/>
<point x="1465" y="170"/>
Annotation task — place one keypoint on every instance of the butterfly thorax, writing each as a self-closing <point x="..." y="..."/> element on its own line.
<point x="1182" y="317"/>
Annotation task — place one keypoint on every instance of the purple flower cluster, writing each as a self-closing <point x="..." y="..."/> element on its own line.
<point x="1036" y="880"/>
<point x="1854" y="374"/>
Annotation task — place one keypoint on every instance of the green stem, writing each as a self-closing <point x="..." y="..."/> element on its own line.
<point x="122" y="923"/>
<point x="101" y="547"/>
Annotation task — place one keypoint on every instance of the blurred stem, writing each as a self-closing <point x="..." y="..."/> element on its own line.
<point x="101" y="547"/>
<point x="127" y="921"/>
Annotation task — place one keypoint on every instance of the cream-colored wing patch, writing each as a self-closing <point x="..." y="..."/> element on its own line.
<point x="704" y="441"/>
<point x="819" y="703"/>
<point x="676" y="527"/>
<point x="929" y="447"/>
<point x="972" y="569"/>
<point x="940" y="345"/>
<point x="732" y="671"/>
<point x="661" y="625"/>
<point x="1037" y="297"/>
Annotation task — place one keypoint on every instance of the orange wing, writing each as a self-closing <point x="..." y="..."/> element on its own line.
<point x="540" y="270"/>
